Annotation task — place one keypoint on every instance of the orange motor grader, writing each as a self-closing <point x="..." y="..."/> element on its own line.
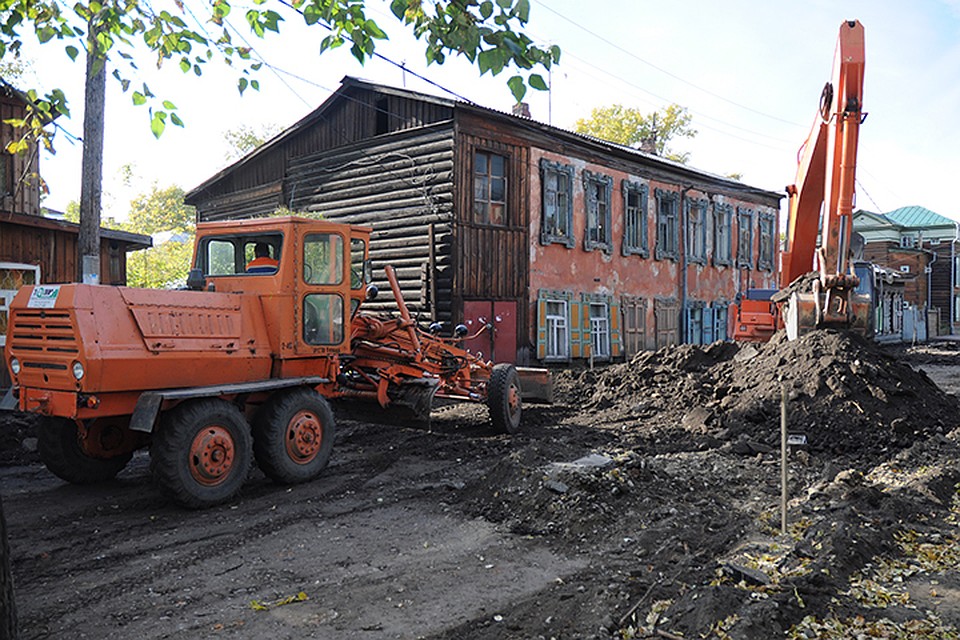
<point x="240" y="366"/>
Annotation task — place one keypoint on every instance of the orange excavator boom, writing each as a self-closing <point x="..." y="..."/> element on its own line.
<point x="821" y="204"/>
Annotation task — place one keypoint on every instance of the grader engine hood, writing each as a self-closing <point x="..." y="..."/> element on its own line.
<point x="99" y="338"/>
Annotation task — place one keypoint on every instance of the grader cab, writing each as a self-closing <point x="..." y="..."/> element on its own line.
<point x="237" y="368"/>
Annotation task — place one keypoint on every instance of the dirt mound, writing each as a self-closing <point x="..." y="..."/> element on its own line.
<point x="846" y="395"/>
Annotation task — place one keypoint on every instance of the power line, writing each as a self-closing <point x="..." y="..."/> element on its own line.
<point x="693" y="111"/>
<point x="269" y="66"/>
<point x="580" y="26"/>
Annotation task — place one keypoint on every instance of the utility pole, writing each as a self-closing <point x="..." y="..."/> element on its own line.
<point x="92" y="169"/>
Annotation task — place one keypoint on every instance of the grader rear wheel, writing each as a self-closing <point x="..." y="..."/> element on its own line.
<point x="503" y="398"/>
<point x="58" y="443"/>
<point x="293" y="436"/>
<point x="201" y="454"/>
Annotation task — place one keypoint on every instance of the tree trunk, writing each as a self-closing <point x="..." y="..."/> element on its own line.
<point x="92" y="170"/>
<point x="8" y="609"/>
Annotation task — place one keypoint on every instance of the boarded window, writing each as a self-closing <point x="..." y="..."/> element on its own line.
<point x="634" y="311"/>
<point x="635" y="240"/>
<point x="556" y="224"/>
<point x="666" y="313"/>
<point x="667" y="228"/>
<point x="767" y="242"/>
<point x="696" y="236"/>
<point x="723" y="235"/>
<point x="744" y="238"/>
<point x="598" y="191"/>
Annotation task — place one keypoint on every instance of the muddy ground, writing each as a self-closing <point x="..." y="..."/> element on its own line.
<point x="643" y="504"/>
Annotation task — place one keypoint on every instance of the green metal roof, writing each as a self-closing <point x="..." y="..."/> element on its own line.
<point x="919" y="217"/>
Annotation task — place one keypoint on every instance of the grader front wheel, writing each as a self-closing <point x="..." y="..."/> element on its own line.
<point x="58" y="443"/>
<point x="503" y="398"/>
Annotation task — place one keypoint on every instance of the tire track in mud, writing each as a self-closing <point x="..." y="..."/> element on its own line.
<point x="83" y="550"/>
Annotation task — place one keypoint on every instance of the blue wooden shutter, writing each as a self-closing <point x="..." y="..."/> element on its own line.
<point x="708" y="325"/>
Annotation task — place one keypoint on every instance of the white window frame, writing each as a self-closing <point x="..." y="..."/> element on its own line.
<point x="600" y="329"/>
<point x="558" y="330"/>
<point x="6" y="295"/>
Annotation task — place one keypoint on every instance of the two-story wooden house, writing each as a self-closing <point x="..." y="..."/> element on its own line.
<point x="572" y="247"/>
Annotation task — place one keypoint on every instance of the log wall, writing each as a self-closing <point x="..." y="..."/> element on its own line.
<point x="401" y="185"/>
<point x="256" y="187"/>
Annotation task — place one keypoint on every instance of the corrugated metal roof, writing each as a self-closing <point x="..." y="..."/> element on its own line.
<point x="917" y="217"/>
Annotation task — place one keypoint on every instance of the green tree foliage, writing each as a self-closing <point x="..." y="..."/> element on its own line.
<point x="486" y="32"/>
<point x="161" y="213"/>
<point x="161" y="209"/>
<point x="72" y="214"/>
<point x="630" y="127"/>
<point x="245" y="138"/>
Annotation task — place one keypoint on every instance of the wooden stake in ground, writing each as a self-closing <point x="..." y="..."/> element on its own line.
<point x="783" y="458"/>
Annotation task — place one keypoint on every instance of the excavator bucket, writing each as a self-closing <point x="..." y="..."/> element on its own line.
<point x="806" y="312"/>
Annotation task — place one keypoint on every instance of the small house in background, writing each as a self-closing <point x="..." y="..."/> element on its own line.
<point x="573" y="248"/>
<point x="33" y="248"/>
<point x="923" y="247"/>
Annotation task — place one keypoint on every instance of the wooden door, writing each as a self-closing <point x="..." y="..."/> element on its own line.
<point x="499" y="345"/>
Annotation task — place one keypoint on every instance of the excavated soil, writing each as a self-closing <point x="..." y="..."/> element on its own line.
<point x="644" y="503"/>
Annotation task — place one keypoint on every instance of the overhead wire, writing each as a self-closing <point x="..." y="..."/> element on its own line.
<point x="633" y="55"/>
<point x="694" y="112"/>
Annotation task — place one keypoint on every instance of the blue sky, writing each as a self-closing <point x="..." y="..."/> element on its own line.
<point x="750" y="71"/>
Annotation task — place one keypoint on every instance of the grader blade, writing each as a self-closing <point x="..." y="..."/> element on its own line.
<point x="415" y="398"/>
<point x="536" y="385"/>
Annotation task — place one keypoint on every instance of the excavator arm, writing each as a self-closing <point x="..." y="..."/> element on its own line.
<point x="823" y="198"/>
<point x="821" y="203"/>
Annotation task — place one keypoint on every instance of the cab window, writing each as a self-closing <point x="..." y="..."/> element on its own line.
<point x="359" y="265"/>
<point x="323" y="319"/>
<point x="234" y="255"/>
<point x="323" y="259"/>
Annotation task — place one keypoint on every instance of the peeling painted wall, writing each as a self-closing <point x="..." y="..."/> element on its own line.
<point x="557" y="267"/>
